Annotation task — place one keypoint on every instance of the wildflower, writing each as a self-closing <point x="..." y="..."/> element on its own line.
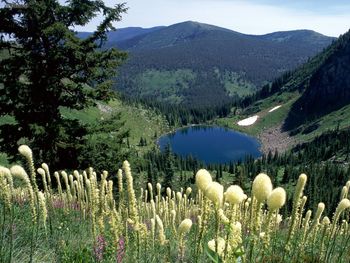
<point x="168" y="192"/>
<point x="179" y="197"/>
<point x="215" y="193"/>
<point x="326" y="221"/>
<point x="150" y="189"/>
<point x="5" y="191"/>
<point x="344" y="193"/>
<point x="158" y="186"/>
<point x="188" y="191"/>
<point x="43" y="208"/>
<point x="344" y="204"/>
<point x="19" y="172"/>
<point x="185" y="226"/>
<point x="99" y="248"/>
<point x="276" y="199"/>
<point x="47" y="171"/>
<point x="120" y="180"/>
<point x="41" y="171"/>
<point x="300" y="185"/>
<point x="203" y="179"/>
<point x="262" y="187"/>
<point x="234" y="195"/>
<point x="25" y="151"/>
<point x="120" y="250"/>
<point x="6" y="172"/>
<point x="162" y="238"/>
<point x="131" y="191"/>
<point x="222" y="216"/>
<point x="220" y="245"/>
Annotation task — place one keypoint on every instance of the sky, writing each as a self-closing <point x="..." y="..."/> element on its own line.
<point x="330" y="18"/>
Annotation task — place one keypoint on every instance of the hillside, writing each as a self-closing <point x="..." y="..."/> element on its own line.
<point x="134" y="117"/>
<point x="188" y="61"/>
<point x="313" y="100"/>
<point x="328" y="88"/>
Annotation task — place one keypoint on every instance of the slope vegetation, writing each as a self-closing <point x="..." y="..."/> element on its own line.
<point x="220" y="61"/>
<point x="314" y="99"/>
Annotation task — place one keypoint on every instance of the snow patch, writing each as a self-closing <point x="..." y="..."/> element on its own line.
<point x="275" y="108"/>
<point x="248" y="121"/>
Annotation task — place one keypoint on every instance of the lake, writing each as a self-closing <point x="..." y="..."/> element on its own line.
<point x="211" y="144"/>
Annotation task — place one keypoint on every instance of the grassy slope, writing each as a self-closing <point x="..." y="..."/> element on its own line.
<point x="172" y="86"/>
<point x="276" y="118"/>
<point x="166" y="85"/>
<point x="261" y="108"/>
<point x="140" y="122"/>
<point x="328" y="122"/>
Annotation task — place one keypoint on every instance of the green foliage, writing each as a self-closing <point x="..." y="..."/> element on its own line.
<point x="168" y="167"/>
<point x="105" y="144"/>
<point x="323" y="84"/>
<point x="166" y="86"/>
<point x="3" y="159"/>
<point x="49" y="67"/>
<point x="236" y="85"/>
<point x="327" y="88"/>
<point x="241" y="62"/>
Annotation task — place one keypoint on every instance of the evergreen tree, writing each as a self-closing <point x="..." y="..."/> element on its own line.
<point x="169" y="169"/>
<point x="47" y="67"/>
<point x="106" y="145"/>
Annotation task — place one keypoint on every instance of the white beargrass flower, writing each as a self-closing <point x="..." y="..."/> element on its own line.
<point x="25" y="151"/>
<point x="220" y="243"/>
<point x="276" y="199"/>
<point x="234" y="195"/>
<point x="188" y="191"/>
<point x="203" y="179"/>
<point x="262" y="187"/>
<point x="42" y="203"/>
<point x="344" y="204"/>
<point x="215" y="193"/>
<point x="185" y="226"/>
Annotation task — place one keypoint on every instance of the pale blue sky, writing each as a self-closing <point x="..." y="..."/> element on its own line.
<point x="247" y="16"/>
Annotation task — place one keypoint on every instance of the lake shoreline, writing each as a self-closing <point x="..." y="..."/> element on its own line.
<point x="211" y="143"/>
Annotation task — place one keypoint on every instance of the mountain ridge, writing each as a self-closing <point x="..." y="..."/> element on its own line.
<point x="235" y="64"/>
<point x="191" y="61"/>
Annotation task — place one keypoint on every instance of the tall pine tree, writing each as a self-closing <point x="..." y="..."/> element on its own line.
<point x="45" y="66"/>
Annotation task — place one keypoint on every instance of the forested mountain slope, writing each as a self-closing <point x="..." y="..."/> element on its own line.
<point x="190" y="61"/>
<point x="314" y="98"/>
<point x="328" y="88"/>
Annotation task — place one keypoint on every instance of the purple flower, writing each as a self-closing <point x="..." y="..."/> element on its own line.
<point x="75" y="206"/>
<point x="120" y="250"/>
<point x="57" y="203"/>
<point x="99" y="247"/>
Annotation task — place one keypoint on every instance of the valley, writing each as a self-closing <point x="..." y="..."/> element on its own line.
<point x="188" y="142"/>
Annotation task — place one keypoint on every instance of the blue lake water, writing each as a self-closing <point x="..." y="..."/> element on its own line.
<point x="211" y="144"/>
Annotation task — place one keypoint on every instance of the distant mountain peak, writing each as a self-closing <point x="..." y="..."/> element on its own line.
<point x="305" y="35"/>
<point x="199" y="25"/>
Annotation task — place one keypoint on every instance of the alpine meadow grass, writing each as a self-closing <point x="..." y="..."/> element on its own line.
<point x="82" y="216"/>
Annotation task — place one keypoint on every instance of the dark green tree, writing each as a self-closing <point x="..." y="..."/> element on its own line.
<point x="106" y="145"/>
<point x="169" y="168"/>
<point x="47" y="67"/>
